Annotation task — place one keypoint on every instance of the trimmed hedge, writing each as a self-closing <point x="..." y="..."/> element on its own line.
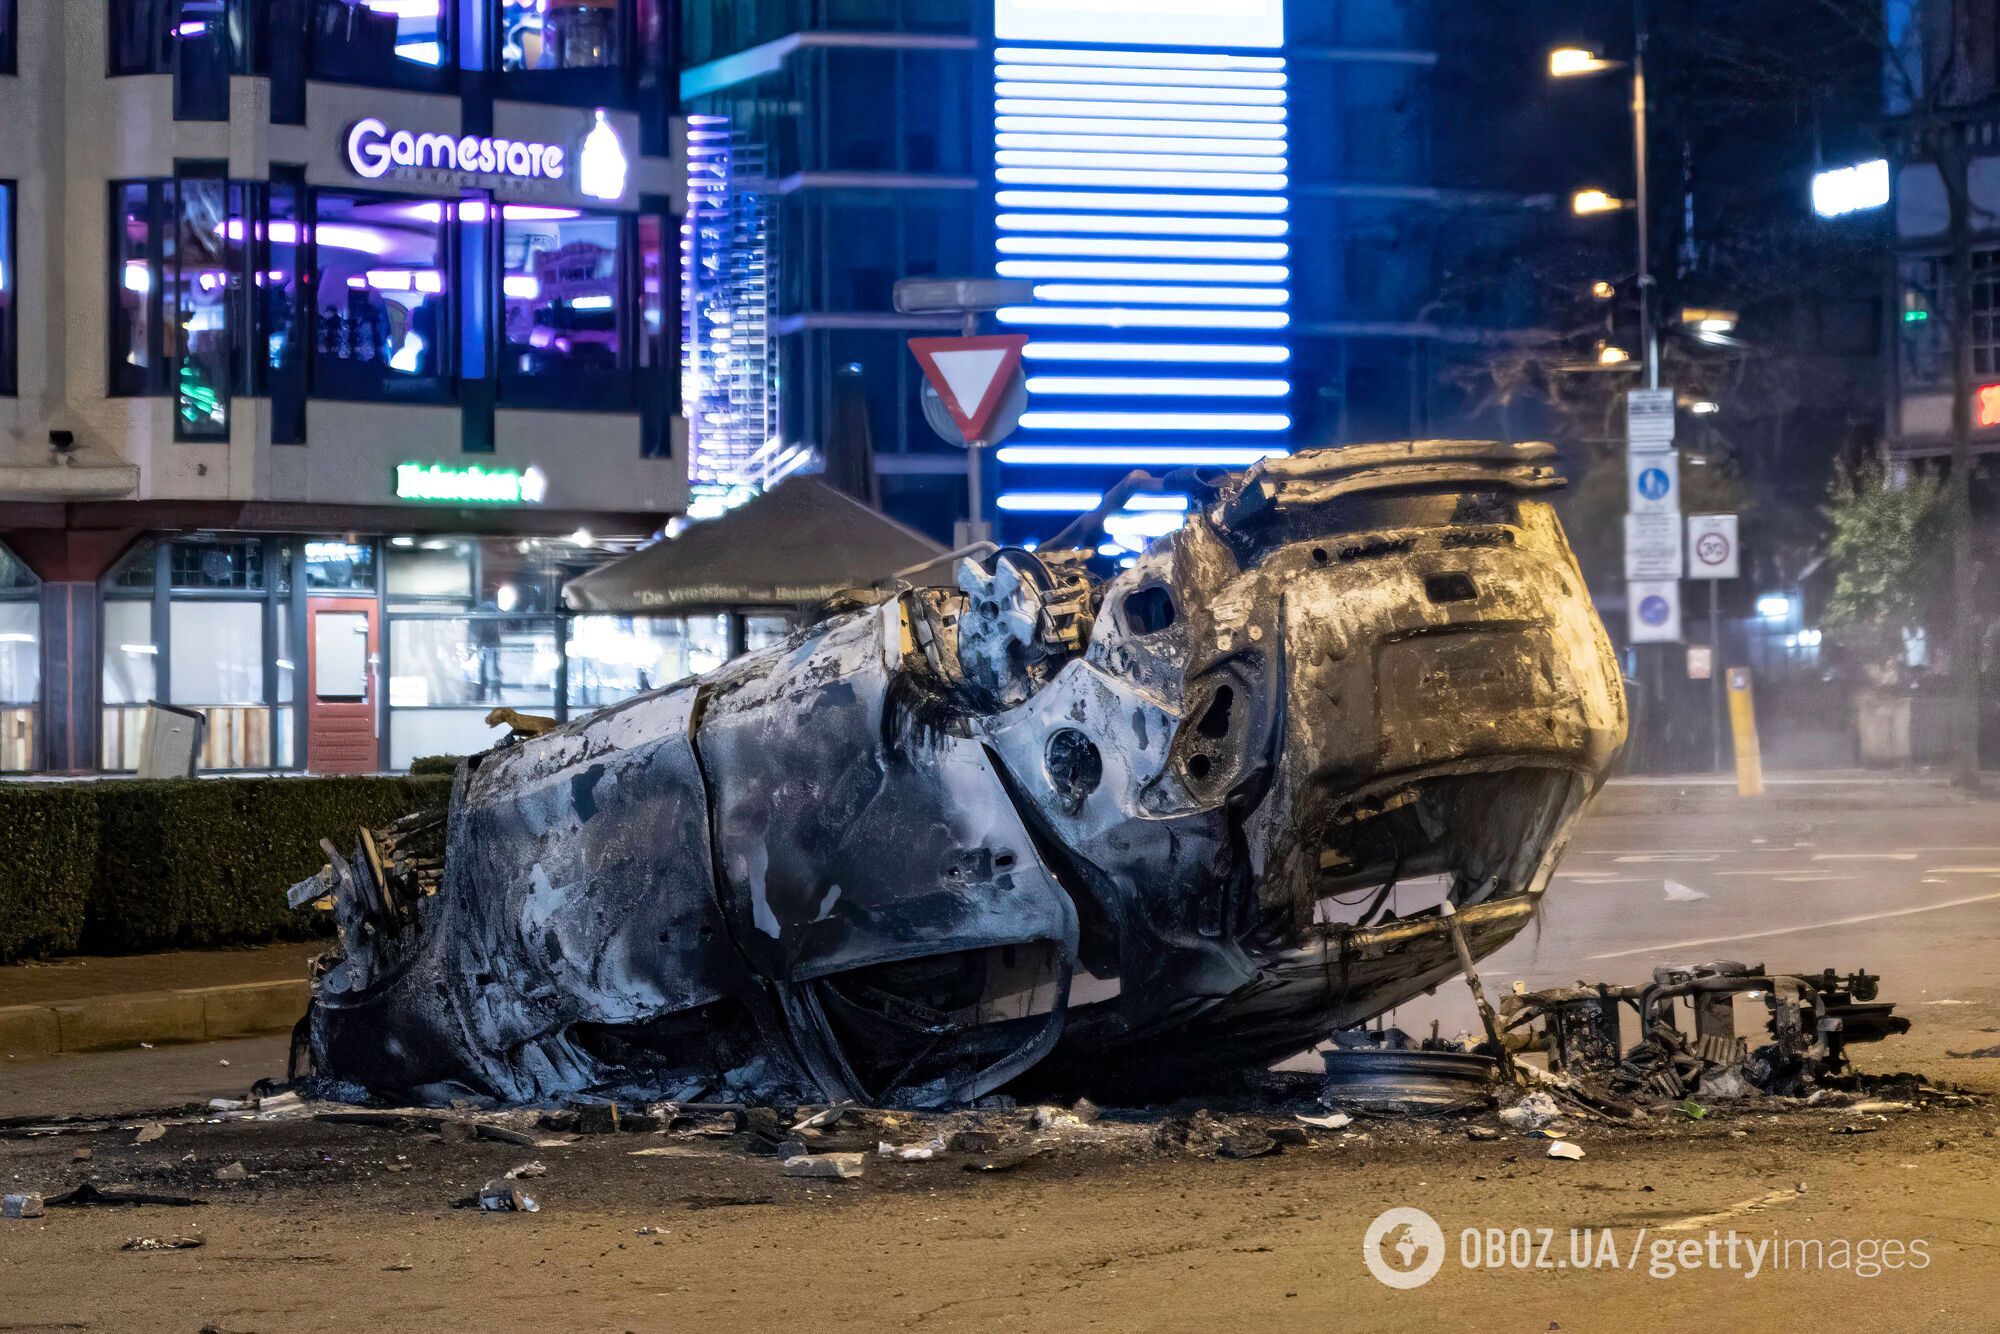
<point x="48" y="857"/>
<point x="131" y="865"/>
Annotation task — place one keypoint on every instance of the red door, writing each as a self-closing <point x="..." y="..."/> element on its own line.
<point x="341" y="654"/>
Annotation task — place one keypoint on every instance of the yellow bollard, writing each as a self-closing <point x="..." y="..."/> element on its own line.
<point x="1743" y="724"/>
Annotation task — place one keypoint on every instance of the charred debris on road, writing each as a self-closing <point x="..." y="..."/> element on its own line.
<point x="1041" y="832"/>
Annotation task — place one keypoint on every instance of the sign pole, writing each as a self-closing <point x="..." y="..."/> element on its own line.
<point x="1718" y="697"/>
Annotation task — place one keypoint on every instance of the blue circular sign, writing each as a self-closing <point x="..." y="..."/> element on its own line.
<point x="1653" y="484"/>
<point x="1654" y="610"/>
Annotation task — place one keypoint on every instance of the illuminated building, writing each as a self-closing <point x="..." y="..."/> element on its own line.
<point x="333" y="335"/>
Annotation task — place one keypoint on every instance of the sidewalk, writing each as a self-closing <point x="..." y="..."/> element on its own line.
<point x="90" y="1003"/>
<point x="1823" y="789"/>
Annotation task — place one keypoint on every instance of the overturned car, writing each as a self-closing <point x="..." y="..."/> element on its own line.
<point x="1039" y="830"/>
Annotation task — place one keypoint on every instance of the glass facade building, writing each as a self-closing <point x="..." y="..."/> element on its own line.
<point x="1215" y="280"/>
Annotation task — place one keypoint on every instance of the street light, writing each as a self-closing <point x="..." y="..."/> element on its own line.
<point x="1612" y="355"/>
<point x="1602" y="290"/>
<point x="1703" y="407"/>
<point x="1569" y="61"/>
<point x="1566" y="62"/>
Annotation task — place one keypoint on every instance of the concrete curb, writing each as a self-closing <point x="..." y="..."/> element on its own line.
<point x="108" y="1023"/>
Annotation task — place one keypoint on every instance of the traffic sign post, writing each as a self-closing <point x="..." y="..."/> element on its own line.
<point x="1652" y="546"/>
<point x="978" y="381"/>
<point x="1714" y="554"/>
<point x="1653" y="484"/>
<point x="1654" y="613"/>
<point x="1649" y="420"/>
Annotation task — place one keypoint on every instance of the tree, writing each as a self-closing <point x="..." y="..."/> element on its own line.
<point x="1889" y="551"/>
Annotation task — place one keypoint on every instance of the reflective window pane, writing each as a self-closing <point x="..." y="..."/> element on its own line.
<point x="562" y="287"/>
<point x="612" y="658"/>
<point x="559" y="34"/>
<point x="381" y="284"/>
<point x="217" y="652"/>
<point x="202" y="279"/>
<point x="472" y="662"/>
<point x="8" y="335"/>
<point x="381" y="41"/>
<point x="136" y="275"/>
<point x="130" y="655"/>
<point x="340" y="656"/>
<point x="217" y="565"/>
<point x="340" y="567"/>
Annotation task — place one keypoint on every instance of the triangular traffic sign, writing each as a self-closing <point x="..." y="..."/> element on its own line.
<point x="972" y="376"/>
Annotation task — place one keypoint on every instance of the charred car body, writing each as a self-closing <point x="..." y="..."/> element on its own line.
<point x="1039" y="829"/>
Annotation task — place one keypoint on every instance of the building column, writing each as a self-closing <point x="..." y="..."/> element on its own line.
<point x="70" y="564"/>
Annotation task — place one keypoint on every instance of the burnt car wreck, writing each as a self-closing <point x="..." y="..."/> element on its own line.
<point x="1040" y="831"/>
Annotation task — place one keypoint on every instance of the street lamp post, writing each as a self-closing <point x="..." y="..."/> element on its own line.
<point x="1570" y="62"/>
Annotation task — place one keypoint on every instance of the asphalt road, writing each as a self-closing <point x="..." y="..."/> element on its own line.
<point x="342" y="1227"/>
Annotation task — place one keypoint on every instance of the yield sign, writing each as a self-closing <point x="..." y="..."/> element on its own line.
<point x="972" y="376"/>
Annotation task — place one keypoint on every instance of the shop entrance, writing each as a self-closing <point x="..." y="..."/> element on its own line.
<point x="342" y="654"/>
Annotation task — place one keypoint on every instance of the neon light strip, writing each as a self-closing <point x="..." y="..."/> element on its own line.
<point x="1139" y="143"/>
<point x="1167" y="180"/>
<point x="1169" y="273"/>
<point x="1091" y="199"/>
<point x="1136" y="59"/>
<point x="1218" y="354"/>
<point x="1077" y="502"/>
<point x="1124" y="317"/>
<point x="1111" y="76"/>
<point x="1163" y="296"/>
<point x="1102" y="222"/>
<point x="1143" y="456"/>
<point x="1192" y="422"/>
<point x="1207" y="129"/>
<point x="1040" y="106"/>
<point x="1135" y="386"/>
<point x="1131" y="92"/>
<point x="1049" y="502"/>
<point x="1143" y="248"/>
<point x="1021" y="157"/>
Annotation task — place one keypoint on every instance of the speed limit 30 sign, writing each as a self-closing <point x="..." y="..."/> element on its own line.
<point x="1712" y="548"/>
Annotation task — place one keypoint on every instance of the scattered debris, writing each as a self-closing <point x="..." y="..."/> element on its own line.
<point x="1811" y="1020"/>
<point x="233" y="1173"/>
<point x="1562" y="1148"/>
<point x="90" y="1193"/>
<point x="222" y="1063"/>
<point x="500" y="1196"/>
<point x="1976" y="1054"/>
<point x="1532" y="1112"/>
<point x="1679" y="893"/>
<point x="974" y="1141"/>
<point x="909" y="1152"/>
<point x="1251" y="1145"/>
<point x="844" y="1166"/>
<point x="149" y="1132"/>
<point x="1691" y="1109"/>
<point x="83" y="1155"/>
<point x="1854" y="1130"/>
<point x="1482" y="1133"/>
<point x="526" y="1171"/>
<point x="1877" y="1105"/>
<point x="400" y="1267"/>
<point x="1331" y="1121"/>
<point x="1002" y="1162"/>
<point x="821" y="1119"/>
<point x="173" y="1243"/>
<point x="24" y="1204"/>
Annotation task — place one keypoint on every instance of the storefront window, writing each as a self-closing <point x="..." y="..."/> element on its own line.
<point x="20" y="662"/>
<point x="403" y="43"/>
<point x="562" y="283"/>
<point x="8" y="355"/>
<point x="560" y="34"/>
<point x="613" y="658"/>
<point x="142" y="36"/>
<point x="382" y="304"/>
<point x="282" y="298"/>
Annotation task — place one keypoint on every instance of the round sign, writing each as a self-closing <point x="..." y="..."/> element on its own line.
<point x="1653" y="483"/>
<point x="1712" y="549"/>
<point x="1654" y="610"/>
